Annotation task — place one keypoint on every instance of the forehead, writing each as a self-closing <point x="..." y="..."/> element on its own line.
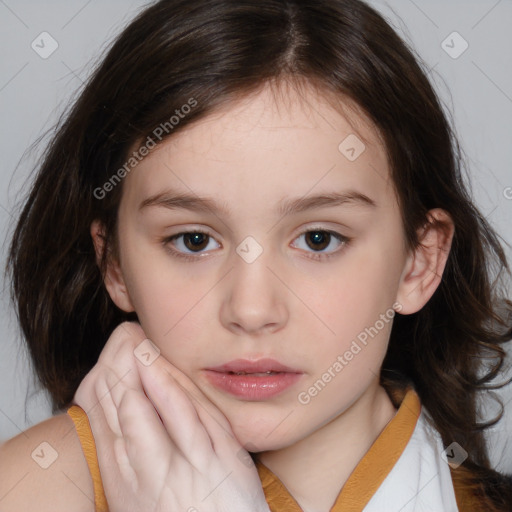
<point x="266" y="146"/>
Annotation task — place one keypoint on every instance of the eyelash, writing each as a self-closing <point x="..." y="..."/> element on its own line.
<point x="315" y="256"/>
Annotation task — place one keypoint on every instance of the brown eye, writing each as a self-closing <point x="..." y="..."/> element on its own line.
<point x="319" y="239"/>
<point x="187" y="244"/>
<point x="195" y="241"/>
<point x="191" y="244"/>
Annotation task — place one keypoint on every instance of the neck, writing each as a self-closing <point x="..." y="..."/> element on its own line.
<point x="331" y="453"/>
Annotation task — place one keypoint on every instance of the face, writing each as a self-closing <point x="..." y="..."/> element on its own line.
<point x="262" y="270"/>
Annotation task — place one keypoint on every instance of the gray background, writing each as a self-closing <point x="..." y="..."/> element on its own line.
<point x="476" y="88"/>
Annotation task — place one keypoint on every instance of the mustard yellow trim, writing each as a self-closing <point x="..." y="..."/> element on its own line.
<point x="370" y="472"/>
<point x="378" y="461"/>
<point x="277" y="495"/>
<point x="83" y="429"/>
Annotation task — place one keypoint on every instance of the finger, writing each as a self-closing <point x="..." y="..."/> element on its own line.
<point x="124" y="336"/>
<point x="225" y="444"/>
<point x="222" y="438"/>
<point x="202" y="403"/>
<point x="93" y="394"/>
<point x="114" y="370"/>
<point x="110" y="459"/>
<point x="100" y="386"/>
<point x="178" y="414"/>
<point x="110" y="389"/>
<point x="149" y="448"/>
<point x="117" y="370"/>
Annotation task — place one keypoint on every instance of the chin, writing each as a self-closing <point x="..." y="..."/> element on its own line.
<point x="264" y="437"/>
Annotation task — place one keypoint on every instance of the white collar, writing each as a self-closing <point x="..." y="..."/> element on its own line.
<point x="420" y="481"/>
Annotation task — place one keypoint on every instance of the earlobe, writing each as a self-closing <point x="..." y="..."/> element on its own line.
<point x="425" y="266"/>
<point x="113" y="279"/>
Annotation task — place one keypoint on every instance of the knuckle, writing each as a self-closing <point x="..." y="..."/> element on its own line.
<point x="123" y="339"/>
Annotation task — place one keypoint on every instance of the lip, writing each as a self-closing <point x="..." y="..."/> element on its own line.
<point x="261" y="365"/>
<point x="253" y="387"/>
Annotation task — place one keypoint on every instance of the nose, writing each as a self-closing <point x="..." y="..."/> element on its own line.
<point x="255" y="297"/>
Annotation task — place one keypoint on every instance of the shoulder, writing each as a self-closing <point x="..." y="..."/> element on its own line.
<point x="44" y="469"/>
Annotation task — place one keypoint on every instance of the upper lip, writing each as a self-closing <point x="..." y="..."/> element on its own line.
<point x="261" y="365"/>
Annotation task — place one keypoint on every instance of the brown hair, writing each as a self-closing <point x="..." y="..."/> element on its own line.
<point x="215" y="51"/>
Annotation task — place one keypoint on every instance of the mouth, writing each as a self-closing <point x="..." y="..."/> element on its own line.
<point x="257" y="374"/>
<point x="261" y="366"/>
<point x="253" y="380"/>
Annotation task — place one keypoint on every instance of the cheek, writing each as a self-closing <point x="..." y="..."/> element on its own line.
<point x="354" y="314"/>
<point x="166" y="302"/>
<point x="170" y="317"/>
<point x="358" y="290"/>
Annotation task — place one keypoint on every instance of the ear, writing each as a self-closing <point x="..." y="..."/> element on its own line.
<point x="425" y="265"/>
<point x="113" y="279"/>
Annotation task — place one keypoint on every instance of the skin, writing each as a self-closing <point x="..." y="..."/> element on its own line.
<point x="286" y="304"/>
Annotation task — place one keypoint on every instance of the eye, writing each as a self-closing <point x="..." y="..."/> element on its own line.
<point x="195" y="241"/>
<point x="318" y="239"/>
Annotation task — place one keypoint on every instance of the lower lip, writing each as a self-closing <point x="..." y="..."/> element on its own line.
<point x="252" y="387"/>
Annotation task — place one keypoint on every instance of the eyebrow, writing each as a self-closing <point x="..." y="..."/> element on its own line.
<point x="174" y="200"/>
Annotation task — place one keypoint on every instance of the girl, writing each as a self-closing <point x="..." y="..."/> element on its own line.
<point x="255" y="213"/>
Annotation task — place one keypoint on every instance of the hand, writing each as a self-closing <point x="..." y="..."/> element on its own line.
<point x="162" y="445"/>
